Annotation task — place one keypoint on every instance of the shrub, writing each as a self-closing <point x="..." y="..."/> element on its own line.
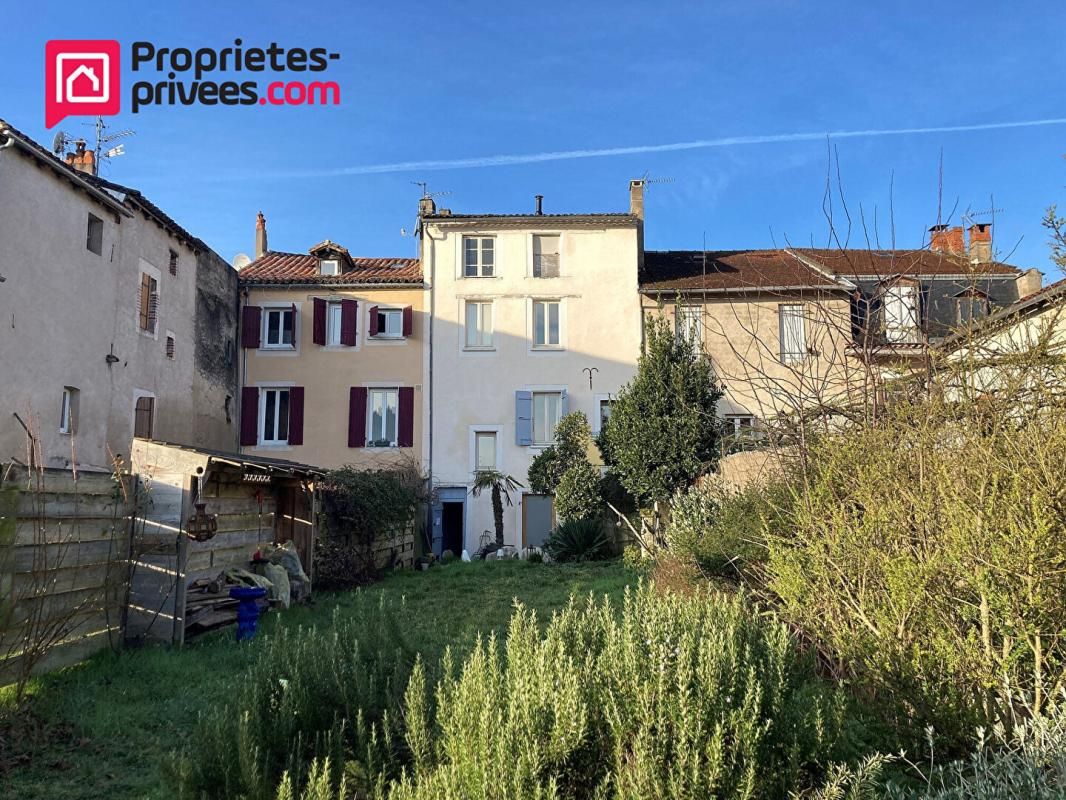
<point x="579" y="540"/>
<point x="667" y="697"/>
<point x="578" y="494"/>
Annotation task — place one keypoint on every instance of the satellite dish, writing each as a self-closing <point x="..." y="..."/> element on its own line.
<point x="59" y="143"/>
<point x="241" y="260"/>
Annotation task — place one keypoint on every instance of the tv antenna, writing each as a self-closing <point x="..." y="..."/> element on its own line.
<point x="970" y="217"/>
<point x="649" y="178"/>
<point x="424" y="186"/>
<point x="103" y="139"/>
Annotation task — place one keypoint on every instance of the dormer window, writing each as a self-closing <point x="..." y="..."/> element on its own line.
<point x="329" y="266"/>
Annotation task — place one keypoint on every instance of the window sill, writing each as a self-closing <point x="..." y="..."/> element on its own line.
<point x="480" y="349"/>
<point x="274" y="446"/>
<point x="382" y="447"/>
<point x="547" y="348"/>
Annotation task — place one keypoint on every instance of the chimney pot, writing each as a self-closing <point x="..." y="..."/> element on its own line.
<point x="539" y="198"/>
<point x="943" y="239"/>
<point x="981" y="243"/>
<point x="81" y="159"/>
<point x="636" y="199"/>
<point x="260" y="235"/>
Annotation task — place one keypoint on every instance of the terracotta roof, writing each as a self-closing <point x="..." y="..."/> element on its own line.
<point x="886" y="263"/>
<point x="730" y="270"/>
<point x="275" y="267"/>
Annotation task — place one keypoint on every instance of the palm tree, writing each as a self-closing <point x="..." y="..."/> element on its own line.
<point x="501" y="486"/>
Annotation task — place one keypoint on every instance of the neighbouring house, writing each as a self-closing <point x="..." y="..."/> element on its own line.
<point x="331" y="356"/>
<point x="531" y="316"/>
<point x="789" y="329"/>
<point x="118" y="322"/>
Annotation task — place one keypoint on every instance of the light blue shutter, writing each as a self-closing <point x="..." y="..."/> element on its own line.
<point x="564" y="404"/>
<point x="523" y="418"/>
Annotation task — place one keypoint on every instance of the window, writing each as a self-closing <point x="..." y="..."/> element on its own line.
<point x="546" y="323"/>
<point x="333" y="324"/>
<point x="94" y="235"/>
<point x="605" y="412"/>
<point x="547" y="408"/>
<point x="390" y="323"/>
<point x="382" y="408"/>
<point x="68" y="413"/>
<point x="170" y="346"/>
<point x="479" y="256"/>
<point x="690" y="323"/>
<point x="740" y="432"/>
<point x="173" y="262"/>
<point x="329" y="266"/>
<point x="144" y="417"/>
<point x="793" y="334"/>
<point x="484" y="451"/>
<point x="971" y="307"/>
<point x="275" y="420"/>
<point x="278" y="327"/>
<point x="545" y="256"/>
<point x="478" y="325"/>
<point x="901" y="313"/>
<point x="149" y="303"/>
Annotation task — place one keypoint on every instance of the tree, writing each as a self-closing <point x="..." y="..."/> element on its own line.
<point x="501" y="486"/>
<point x="663" y="433"/>
<point x="564" y="470"/>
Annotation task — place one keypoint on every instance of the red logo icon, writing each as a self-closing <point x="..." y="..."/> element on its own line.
<point x="80" y="77"/>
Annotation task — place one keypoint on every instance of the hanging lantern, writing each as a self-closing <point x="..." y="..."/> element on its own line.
<point x="201" y="525"/>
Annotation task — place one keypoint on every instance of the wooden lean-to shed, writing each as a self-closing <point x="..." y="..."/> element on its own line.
<point x="253" y="501"/>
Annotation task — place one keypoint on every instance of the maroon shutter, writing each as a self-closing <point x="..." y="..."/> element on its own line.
<point x="296" y="415"/>
<point x="319" y="331"/>
<point x="349" y="317"/>
<point x="249" y="416"/>
<point x="357" y="417"/>
<point x="295" y="327"/>
<point x="251" y="324"/>
<point x="408" y="320"/>
<point x="405" y="435"/>
<point x="373" y="320"/>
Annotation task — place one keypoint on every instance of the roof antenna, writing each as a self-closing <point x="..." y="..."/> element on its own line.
<point x="101" y="141"/>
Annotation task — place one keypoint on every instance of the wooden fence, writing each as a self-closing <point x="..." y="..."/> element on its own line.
<point x="64" y="549"/>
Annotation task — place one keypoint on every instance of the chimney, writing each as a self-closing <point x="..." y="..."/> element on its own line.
<point x="981" y="243"/>
<point x="943" y="239"/>
<point x="539" y="198"/>
<point x="260" y="235"/>
<point x="636" y="199"/>
<point x="426" y="207"/>
<point x="81" y="159"/>
<point x="1028" y="282"/>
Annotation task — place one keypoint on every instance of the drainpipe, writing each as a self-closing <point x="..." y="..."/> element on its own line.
<point x="242" y="370"/>
<point x="8" y="137"/>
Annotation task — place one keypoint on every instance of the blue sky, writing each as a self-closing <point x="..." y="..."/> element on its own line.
<point x="442" y="82"/>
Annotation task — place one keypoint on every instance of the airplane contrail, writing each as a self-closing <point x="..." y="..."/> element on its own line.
<point x="697" y="144"/>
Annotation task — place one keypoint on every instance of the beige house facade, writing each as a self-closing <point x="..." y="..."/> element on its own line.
<point x="331" y="357"/>
<point x="532" y="316"/>
<point x="117" y="321"/>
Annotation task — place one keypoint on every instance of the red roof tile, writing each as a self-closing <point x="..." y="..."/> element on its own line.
<point x="275" y="267"/>
<point x="723" y="270"/>
<point x="887" y="263"/>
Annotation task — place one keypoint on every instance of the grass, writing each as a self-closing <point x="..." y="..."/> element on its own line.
<point x="106" y="728"/>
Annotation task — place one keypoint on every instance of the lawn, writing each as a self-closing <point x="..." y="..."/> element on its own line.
<point x="107" y="727"/>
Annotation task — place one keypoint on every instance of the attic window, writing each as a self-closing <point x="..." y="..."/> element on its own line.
<point x="329" y="266"/>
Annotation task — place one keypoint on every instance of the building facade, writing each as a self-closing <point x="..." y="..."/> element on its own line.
<point x="531" y="316"/>
<point x="331" y="357"/>
<point x="118" y="322"/>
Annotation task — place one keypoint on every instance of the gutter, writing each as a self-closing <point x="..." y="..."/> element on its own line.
<point x="253" y="284"/>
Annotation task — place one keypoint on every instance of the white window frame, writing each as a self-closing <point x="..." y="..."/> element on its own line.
<point x="389" y="311"/>
<point x="599" y="400"/>
<point x="546" y="347"/>
<point x="688" y="322"/>
<point x="68" y="411"/>
<point x="263" y="392"/>
<point x="279" y="308"/>
<point x="474" y="432"/>
<point x="533" y="254"/>
<point x="900" y="331"/>
<point x="329" y="266"/>
<point x="480" y="265"/>
<point x="333" y="315"/>
<point x="786" y="356"/>
<point x="480" y="304"/>
<point x="558" y="393"/>
<point x="370" y="393"/>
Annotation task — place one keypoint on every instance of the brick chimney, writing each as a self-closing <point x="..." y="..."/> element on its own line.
<point x="426" y="207"/>
<point x="981" y="243"/>
<point x="81" y="159"/>
<point x="943" y="239"/>
<point x="260" y="235"/>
